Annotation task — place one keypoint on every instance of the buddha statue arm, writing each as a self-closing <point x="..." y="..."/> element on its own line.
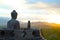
<point x="18" y="25"/>
<point x="8" y="26"/>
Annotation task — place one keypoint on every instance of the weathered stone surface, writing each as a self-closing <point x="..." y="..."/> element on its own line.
<point x="13" y="23"/>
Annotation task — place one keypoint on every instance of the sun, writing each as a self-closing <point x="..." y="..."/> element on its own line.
<point x="53" y="19"/>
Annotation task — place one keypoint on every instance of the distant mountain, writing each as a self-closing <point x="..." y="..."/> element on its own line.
<point x="44" y="25"/>
<point x="40" y="25"/>
<point x="3" y="21"/>
<point x="37" y="25"/>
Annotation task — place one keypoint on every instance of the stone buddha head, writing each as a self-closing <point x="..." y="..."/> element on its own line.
<point x="14" y="14"/>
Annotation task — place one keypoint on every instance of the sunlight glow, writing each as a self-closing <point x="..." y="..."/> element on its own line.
<point x="53" y="19"/>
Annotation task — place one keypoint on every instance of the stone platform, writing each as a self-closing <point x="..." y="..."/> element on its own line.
<point x="22" y="34"/>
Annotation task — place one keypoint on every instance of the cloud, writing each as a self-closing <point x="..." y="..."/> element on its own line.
<point x="56" y="5"/>
<point x="49" y="11"/>
<point x="15" y="4"/>
<point x="49" y="8"/>
<point x="41" y="5"/>
<point x="6" y="6"/>
<point x="39" y="11"/>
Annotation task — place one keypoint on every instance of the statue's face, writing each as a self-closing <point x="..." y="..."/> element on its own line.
<point x="14" y="15"/>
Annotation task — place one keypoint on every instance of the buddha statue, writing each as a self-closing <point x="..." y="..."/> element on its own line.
<point x="13" y="23"/>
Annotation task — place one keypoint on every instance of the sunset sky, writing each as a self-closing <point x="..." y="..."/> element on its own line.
<point x="34" y="10"/>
